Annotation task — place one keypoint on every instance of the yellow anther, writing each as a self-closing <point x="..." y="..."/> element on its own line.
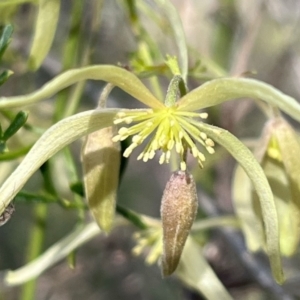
<point x="209" y="142"/>
<point x="166" y="127"/>
<point x="210" y="150"/>
<point x="203" y="115"/>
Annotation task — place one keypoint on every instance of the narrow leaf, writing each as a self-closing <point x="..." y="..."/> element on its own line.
<point x="54" y="139"/>
<point x="45" y="28"/>
<point x="19" y="121"/>
<point x="5" y="75"/>
<point x="246" y="159"/>
<point x="5" y="37"/>
<point x="118" y="76"/>
<point x="221" y="90"/>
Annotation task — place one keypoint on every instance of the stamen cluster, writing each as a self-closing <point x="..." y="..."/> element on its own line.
<point x="170" y="129"/>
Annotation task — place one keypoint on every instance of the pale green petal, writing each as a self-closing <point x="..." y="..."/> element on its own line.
<point x="45" y="27"/>
<point x="54" y="254"/>
<point x="118" y="76"/>
<point x="54" y="139"/>
<point x="289" y="148"/>
<point x="101" y="160"/>
<point x="220" y="90"/>
<point x="196" y="272"/>
<point x="287" y="210"/>
<point x="246" y="159"/>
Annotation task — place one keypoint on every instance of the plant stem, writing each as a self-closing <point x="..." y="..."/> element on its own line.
<point x="36" y="241"/>
<point x="144" y="51"/>
<point x="216" y="222"/>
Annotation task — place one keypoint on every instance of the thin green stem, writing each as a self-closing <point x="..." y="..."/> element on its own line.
<point x="11" y="155"/>
<point x="35" y="246"/>
<point x="73" y="175"/>
<point x="132" y="217"/>
<point x="144" y="51"/>
<point x="85" y="57"/>
<point x="69" y="55"/>
<point x="211" y="223"/>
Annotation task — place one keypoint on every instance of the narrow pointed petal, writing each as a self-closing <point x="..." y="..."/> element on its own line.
<point x="121" y="78"/>
<point x="246" y="159"/>
<point x="224" y="89"/>
<point x="54" y="139"/>
<point x="48" y="14"/>
<point x="101" y="160"/>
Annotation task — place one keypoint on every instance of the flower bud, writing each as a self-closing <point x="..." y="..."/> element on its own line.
<point x="178" y="211"/>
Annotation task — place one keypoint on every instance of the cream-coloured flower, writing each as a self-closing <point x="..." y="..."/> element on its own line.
<point x="173" y="125"/>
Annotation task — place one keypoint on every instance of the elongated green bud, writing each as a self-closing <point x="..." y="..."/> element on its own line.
<point x="178" y="211"/>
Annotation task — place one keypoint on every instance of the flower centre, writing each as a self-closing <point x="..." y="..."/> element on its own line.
<point x="169" y="129"/>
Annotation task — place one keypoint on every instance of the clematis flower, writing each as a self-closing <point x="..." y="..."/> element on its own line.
<point x="278" y="153"/>
<point x="174" y="124"/>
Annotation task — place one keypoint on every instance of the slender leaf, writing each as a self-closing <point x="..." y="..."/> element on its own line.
<point x="118" y="76"/>
<point x="5" y="38"/>
<point x="18" y="122"/>
<point x="5" y="75"/>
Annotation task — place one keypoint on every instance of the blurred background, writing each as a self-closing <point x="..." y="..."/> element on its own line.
<point x="258" y="38"/>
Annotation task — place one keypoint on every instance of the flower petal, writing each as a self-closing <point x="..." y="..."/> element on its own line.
<point x="121" y="78"/>
<point x="246" y="159"/>
<point x="101" y="159"/>
<point x="221" y="90"/>
<point x="54" y="139"/>
<point x="45" y="28"/>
